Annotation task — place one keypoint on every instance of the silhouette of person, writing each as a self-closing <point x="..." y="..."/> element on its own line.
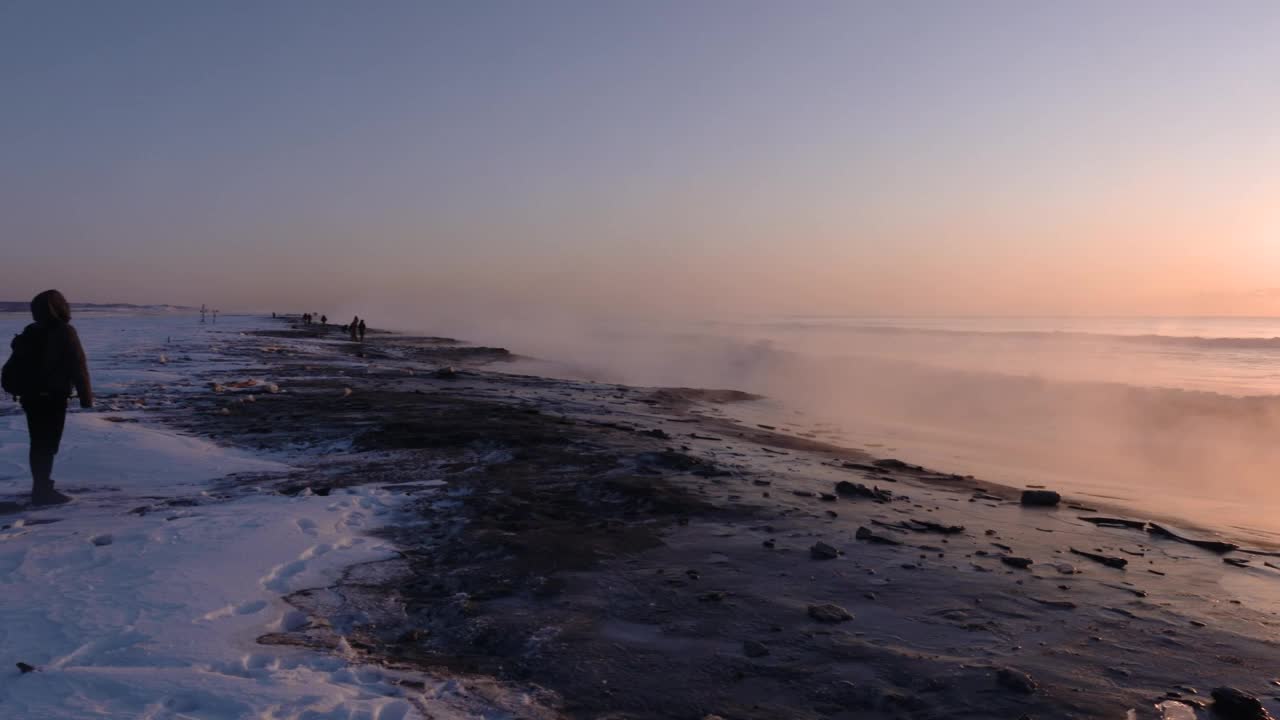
<point x="355" y="328"/>
<point x="362" y="330"/>
<point x="47" y="363"/>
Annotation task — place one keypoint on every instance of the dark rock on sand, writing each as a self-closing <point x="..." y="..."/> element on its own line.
<point x="754" y="649"/>
<point x="823" y="551"/>
<point x="850" y="489"/>
<point x="1116" y="522"/>
<point x="895" y="464"/>
<point x="864" y="533"/>
<point x="1210" y="545"/>
<point x="1040" y="498"/>
<point x="658" y="433"/>
<point x="1234" y="704"/>
<point x="863" y="467"/>
<point x="25" y="668"/>
<point x="829" y="613"/>
<point x="1107" y="560"/>
<point x="927" y="526"/>
<point x="1016" y="681"/>
<point x="1018" y="562"/>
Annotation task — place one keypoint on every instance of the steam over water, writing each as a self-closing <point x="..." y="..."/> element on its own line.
<point x="1173" y="417"/>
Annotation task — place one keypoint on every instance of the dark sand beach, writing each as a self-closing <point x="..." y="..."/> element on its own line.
<point x="588" y="550"/>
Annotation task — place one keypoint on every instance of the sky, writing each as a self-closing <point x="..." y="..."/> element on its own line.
<point x="695" y="158"/>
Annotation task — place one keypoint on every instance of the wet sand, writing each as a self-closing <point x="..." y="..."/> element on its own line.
<point x="589" y="550"/>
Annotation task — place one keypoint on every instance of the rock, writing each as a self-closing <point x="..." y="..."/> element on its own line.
<point x="1234" y="704"/>
<point x="829" y="613"/>
<point x="1040" y="498"/>
<point x="25" y="668"/>
<point x="101" y="540"/>
<point x="928" y="526"/>
<point x="1016" y="681"/>
<point x="865" y="468"/>
<point x="1116" y="522"/>
<point x="1210" y="545"/>
<point x="1114" y="562"/>
<point x="851" y="489"/>
<point x="1065" y="568"/>
<point x="1014" y="561"/>
<point x="770" y="543"/>
<point x="827" y="497"/>
<point x="658" y="433"/>
<point x="894" y="464"/>
<point x="802" y="493"/>
<point x="1057" y="604"/>
<point x="447" y="373"/>
<point x="754" y="649"/>
<point x="346" y="392"/>
<point x="864" y="533"/>
<point x="823" y="551"/>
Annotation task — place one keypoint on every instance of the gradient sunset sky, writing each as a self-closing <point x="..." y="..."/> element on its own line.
<point x="693" y="157"/>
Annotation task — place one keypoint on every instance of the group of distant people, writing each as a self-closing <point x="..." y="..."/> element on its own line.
<point x="356" y="329"/>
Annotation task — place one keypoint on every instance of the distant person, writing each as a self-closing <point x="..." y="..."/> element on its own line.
<point x="324" y="320"/>
<point x="355" y="328"/>
<point x="46" y="365"/>
<point x="361" y="326"/>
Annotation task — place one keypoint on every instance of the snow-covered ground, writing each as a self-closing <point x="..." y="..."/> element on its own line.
<point x="155" y="615"/>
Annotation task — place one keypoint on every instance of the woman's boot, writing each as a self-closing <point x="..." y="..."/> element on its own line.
<point x="42" y="492"/>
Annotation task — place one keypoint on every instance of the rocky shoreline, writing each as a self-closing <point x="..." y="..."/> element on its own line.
<point x="594" y="550"/>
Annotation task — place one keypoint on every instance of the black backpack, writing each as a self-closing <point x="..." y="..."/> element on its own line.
<point x="21" y="374"/>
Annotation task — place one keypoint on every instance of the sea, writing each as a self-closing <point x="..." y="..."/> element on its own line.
<point x="1175" y="418"/>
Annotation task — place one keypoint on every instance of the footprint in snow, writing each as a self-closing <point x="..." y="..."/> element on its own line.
<point x="278" y="579"/>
